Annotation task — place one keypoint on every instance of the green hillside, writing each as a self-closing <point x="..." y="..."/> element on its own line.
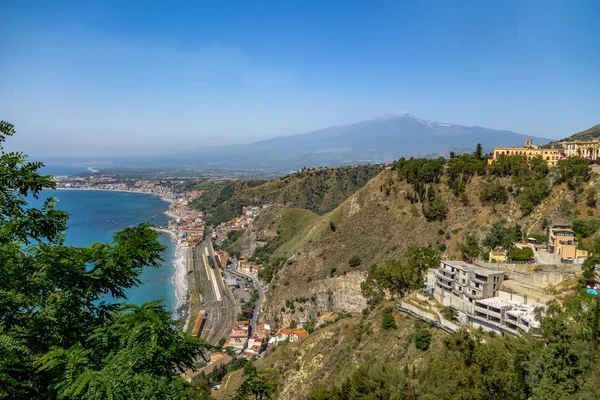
<point x="589" y="134"/>
<point x="319" y="190"/>
<point x="458" y="208"/>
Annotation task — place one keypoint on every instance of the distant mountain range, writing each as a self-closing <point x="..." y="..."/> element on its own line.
<point x="373" y="141"/>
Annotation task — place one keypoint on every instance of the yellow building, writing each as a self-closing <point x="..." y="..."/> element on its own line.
<point x="589" y="149"/>
<point x="562" y="241"/>
<point x="552" y="156"/>
<point x="498" y="256"/>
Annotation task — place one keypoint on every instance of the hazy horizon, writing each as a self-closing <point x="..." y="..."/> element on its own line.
<point x="134" y="78"/>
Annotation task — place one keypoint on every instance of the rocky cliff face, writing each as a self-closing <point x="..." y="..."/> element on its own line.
<point x="338" y="294"/>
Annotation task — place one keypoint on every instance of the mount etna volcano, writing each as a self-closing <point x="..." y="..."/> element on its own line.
<point x="373" y="141"/>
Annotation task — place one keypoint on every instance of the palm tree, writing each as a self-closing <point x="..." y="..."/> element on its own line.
<point x="508" y="244"/>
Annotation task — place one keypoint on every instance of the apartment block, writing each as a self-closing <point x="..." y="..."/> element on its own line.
<point x="503" y="315"/>
<point x="459" y="284"/>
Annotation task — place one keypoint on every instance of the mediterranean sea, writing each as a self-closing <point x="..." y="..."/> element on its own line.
<point x="96" y="215"/>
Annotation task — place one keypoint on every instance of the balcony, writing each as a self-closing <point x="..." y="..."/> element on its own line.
<point x="512" y="328"/>
<point x="479" y="279"/>
<point x="489" y="312"/>
<point x="445" y="274"/>
<point x="445" y="284"/>
<point x="470" y="294"/>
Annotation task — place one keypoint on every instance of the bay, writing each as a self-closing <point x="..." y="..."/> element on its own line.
<point x="96" y="215"/>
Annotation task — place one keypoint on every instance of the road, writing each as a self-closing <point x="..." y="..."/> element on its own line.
<point x="233" y="269"/>
<point x="218" y="300"/>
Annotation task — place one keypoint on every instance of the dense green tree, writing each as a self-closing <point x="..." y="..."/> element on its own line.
<point x="500" y="236"/>
<point x="573" y="171"/>
<point x="478" y="151"/>
<point x="493" y="193"/>
<point x="422" y="338"/>
<point x="434" y="209"/>
<point x="59" y="335"/>
<point x="585" y="227"/>
<point x="399" y="275"/>
<point x="257" y="386"/>
<point x="469" y="249"/>
<point x="591" y="197"/>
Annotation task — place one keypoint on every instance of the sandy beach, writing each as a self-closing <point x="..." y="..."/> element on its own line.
<point x="180" y="282"/>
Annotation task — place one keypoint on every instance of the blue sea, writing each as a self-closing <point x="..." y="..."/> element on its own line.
<point x="96" y="215"/>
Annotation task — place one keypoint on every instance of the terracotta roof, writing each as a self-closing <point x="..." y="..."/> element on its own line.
<point x="283" y="331"/>
<point x="301" y="333"/>
<point x="328" y="315"/>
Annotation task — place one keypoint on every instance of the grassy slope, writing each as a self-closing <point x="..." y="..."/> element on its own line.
<point x="331" y="354"/>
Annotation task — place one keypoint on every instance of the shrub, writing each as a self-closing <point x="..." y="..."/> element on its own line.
<point x="422" y="339"/>
<point x="586" y="228"/>
<point x="435" y="210"/>
<point x="388" y="322"/>
<point x="449" y="313"/>
<point x="591" y="198"/>
<point x="470" y="248"/>
<point x="355" y="261"/>
<point x="493" y="193"/>
<point x="521" y="254"/>
<point x="332" y="226"/>
<point x="539" y="237"/>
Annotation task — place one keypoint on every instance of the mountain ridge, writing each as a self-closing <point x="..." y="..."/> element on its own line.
<point x="372" y="141"/>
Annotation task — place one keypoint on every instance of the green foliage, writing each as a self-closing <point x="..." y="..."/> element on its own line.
<point x="422" y="338"/>
<point x="585" y="227"/>
<point x="461" y="169"/>
<point x="500" y="236"/>
<point x="420" y="171"/>
<point x="574" y="171"/>
<point x="400" y="275"/>
<point x="355" y="261"/>
<point x="249" y="369"/>
<point x="493" y="193"/>
<point x="58" y="335"/>
<point x="566" y="207"/>
<point x="523" y="254"/>
<point x="539" y="237"/>
<point x="449" y="313"/>
<point x="532" y="193"/>
<point x="434" y="208"/>
<point x="219" y="199"/>
<point x="332" y="226"/>
<point x="387" y="319"/>
<point x="256" y="387"/>
<point x="591" y="197"/>
<point x="469" y="249"/>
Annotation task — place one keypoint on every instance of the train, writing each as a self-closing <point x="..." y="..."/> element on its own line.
<point x="199" y="324"/>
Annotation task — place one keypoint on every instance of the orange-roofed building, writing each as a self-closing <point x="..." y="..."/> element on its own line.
<point x="327" y="317"/>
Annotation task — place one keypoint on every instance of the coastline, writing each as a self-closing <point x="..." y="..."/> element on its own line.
<point x="180" y="260"/>
<point x="163" y="198"/>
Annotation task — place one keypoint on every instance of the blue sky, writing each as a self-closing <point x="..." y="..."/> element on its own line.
<point x="128" y="77"/>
